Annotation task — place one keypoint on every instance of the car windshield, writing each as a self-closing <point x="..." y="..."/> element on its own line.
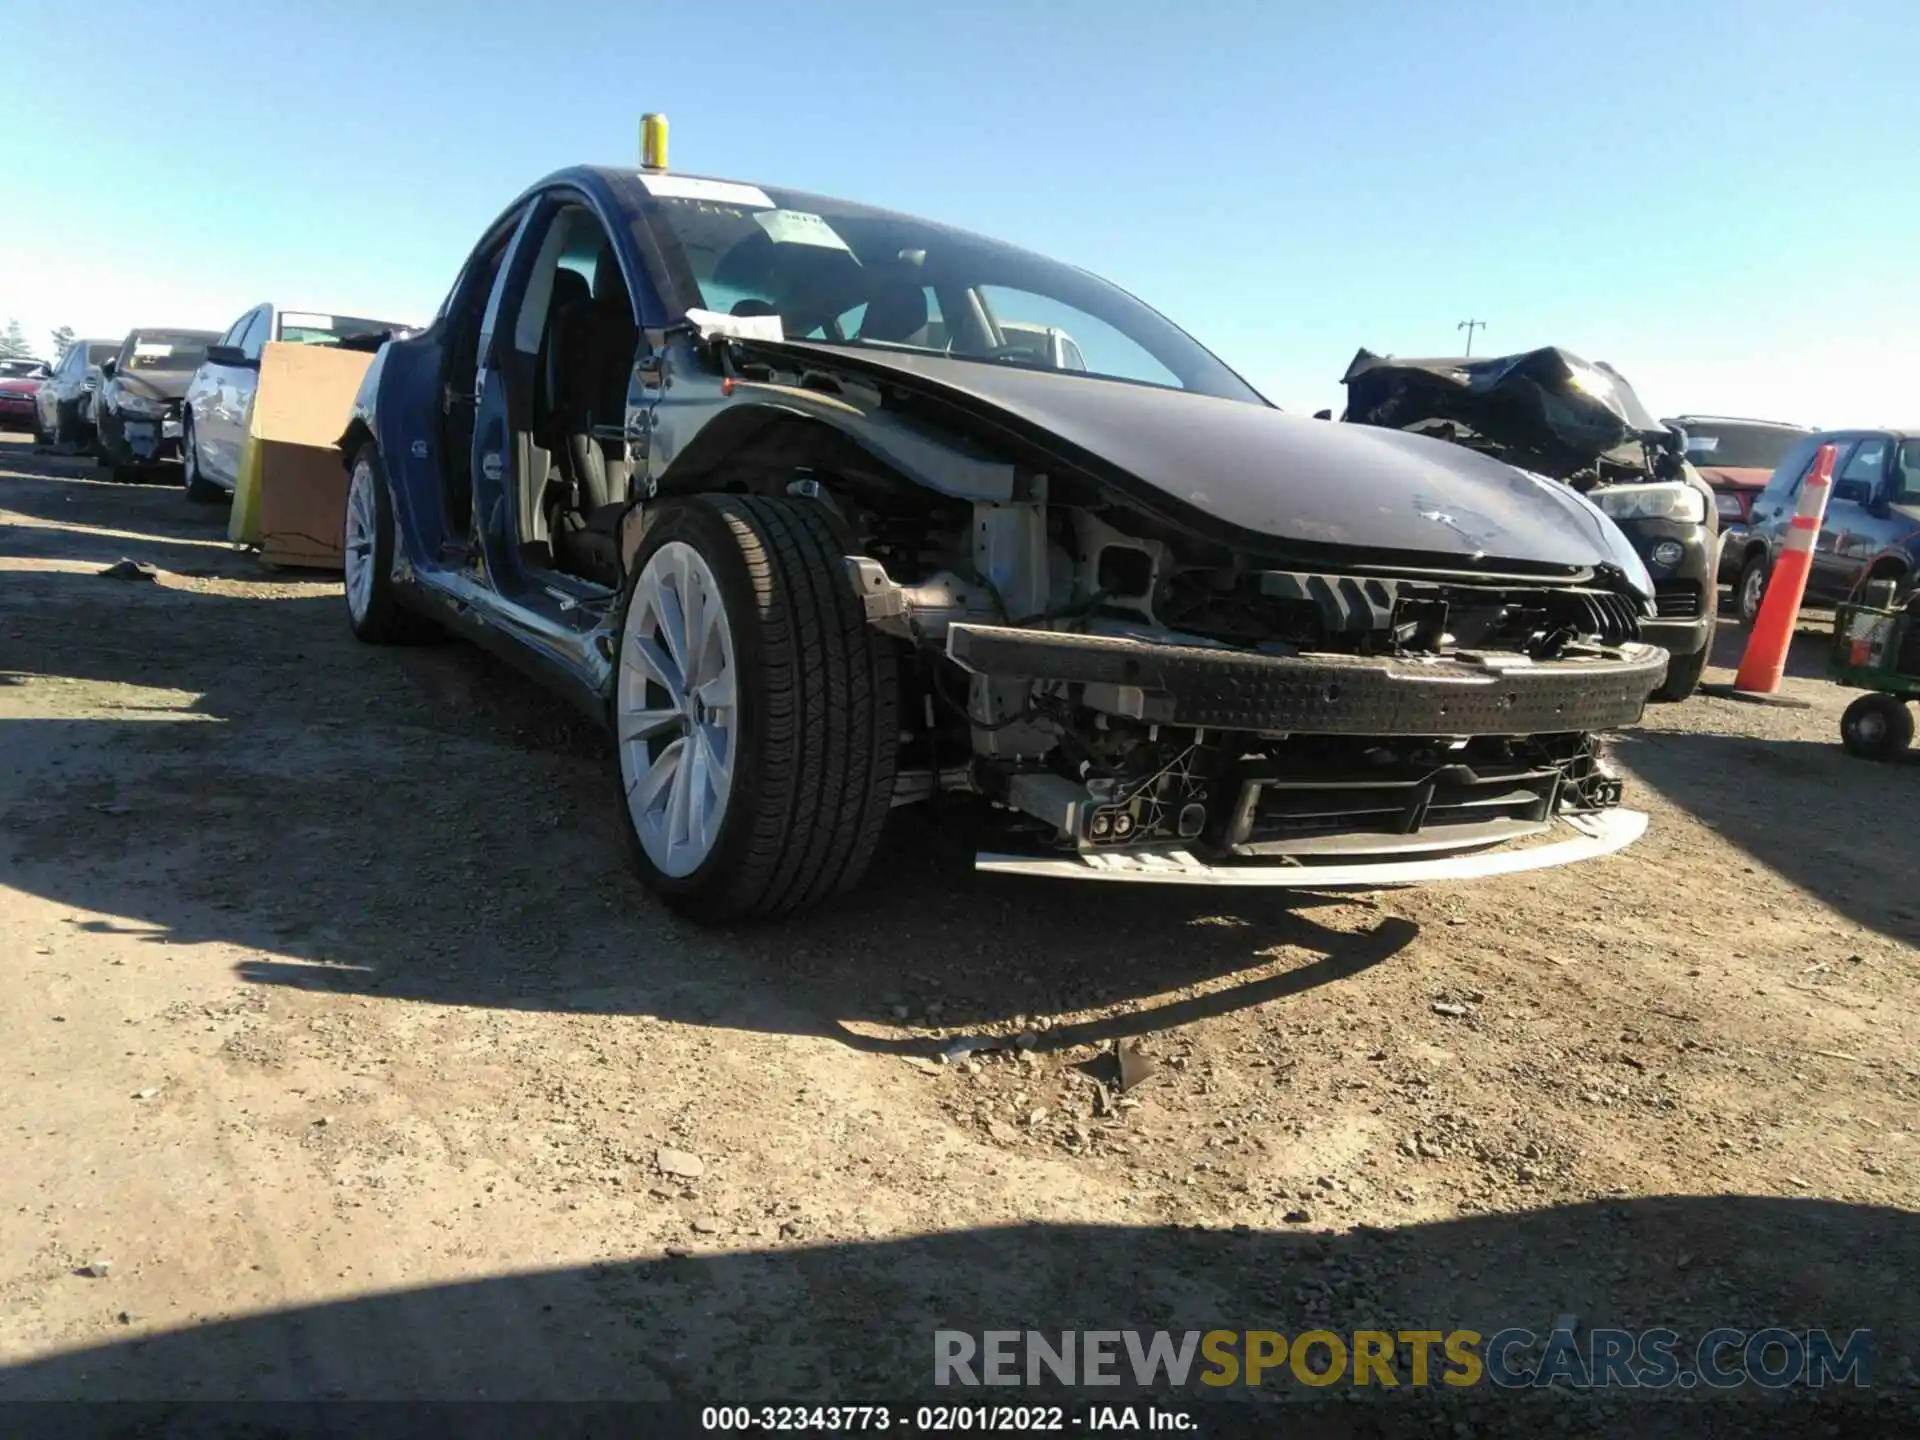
<point x="166" y="349"/>
<point x="840" y="274"/>
<point x="300" y="328"/>
<point x="18" y="369"/>
<point x="1738" y="447"/>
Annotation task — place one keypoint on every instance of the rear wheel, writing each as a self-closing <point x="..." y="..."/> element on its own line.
<point x="374" y="610"/>
<point x="1751" y="590"/>
<point x="753" y="711"/>
<point x="1877" y="727"/>
<point x="200" y="490"/>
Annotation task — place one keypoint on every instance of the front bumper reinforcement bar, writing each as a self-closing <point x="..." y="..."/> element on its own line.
<point x="1490" y="693"/>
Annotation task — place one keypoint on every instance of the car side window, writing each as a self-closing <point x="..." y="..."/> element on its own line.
<point x="237" y="329"/>
<point x="1859" y="477"/>
<point x="1906" y="474"/>
<point x="256" y="334"/>
<point x="1794" y="465"/>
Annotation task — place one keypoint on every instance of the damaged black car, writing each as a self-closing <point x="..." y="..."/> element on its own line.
<point x="1551" y="413"/>
<point x="826" y="510"/>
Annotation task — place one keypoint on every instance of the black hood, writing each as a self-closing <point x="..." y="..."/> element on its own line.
<point x="1249" y="473"/>
<point x="1545" y="410"/>
<point x="156" y="384"/>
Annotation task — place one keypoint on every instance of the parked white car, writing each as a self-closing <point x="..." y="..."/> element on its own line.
<point x="215" y="420"/>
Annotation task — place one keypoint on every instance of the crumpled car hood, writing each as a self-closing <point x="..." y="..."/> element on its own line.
<point x="1546" y="409"/>
<point x="1266" y="474"/>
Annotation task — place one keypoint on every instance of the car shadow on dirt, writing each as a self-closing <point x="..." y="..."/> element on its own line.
<point x="854" y="1324"/>
<point x="1837" y="827"/>
<point x="424" y="824"/>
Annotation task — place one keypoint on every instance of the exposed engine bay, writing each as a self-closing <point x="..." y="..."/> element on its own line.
<point x="1124" y="696"/>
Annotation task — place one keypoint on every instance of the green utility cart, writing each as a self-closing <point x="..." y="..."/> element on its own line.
<point x="1876" y="648"/>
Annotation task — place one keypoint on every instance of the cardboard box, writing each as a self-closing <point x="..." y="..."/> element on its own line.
<point x="300" y="409"/>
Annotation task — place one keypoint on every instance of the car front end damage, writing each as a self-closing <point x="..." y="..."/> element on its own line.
<point x="1294" y="729"/>
<point x="1554" y="414"/>
<point x="143" y="432"/>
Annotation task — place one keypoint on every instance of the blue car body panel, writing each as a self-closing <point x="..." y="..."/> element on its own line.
<point x="463" y="564"/>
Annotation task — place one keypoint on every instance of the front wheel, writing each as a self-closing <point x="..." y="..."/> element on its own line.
<point x="753" y="711"/>
<point x="1751" y="590"/>
<point x="1683" y="677"/>
<point x="374" y="611"/>
<point x="1877" y="727"/>
<point x="200" y="490"/>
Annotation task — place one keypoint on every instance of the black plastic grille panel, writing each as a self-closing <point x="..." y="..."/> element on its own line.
<point x="1328" y="695"/>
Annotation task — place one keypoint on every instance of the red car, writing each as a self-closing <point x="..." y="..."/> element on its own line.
<point x="1736" y="458"/>
<point x="19" y="383"/>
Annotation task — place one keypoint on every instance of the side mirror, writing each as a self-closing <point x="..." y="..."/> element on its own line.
<point x="107" y="367"/>
<point x="1323" y="414"/>
<point x="226" y="355"/>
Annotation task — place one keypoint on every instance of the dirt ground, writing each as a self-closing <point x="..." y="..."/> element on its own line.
<point x="345" y="1058"/>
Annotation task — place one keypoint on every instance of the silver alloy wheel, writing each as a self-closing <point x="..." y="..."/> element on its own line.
<point x="362" y="524"/>
<point x="676" y="709"/>
<point x="1755" y="591"/>
<point x="1870" y="729"/>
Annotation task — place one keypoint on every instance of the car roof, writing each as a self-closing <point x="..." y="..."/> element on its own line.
<point x="1740" y="420"/>
<point x="1854" y="432"/>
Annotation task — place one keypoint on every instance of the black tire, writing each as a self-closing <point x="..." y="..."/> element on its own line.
<point x="384" y="620"/>
<point x="817" y="732"/>
<point x="1683" y="677"/>
<point x="200" y="490"/>
<point x="1877" y="727"/>
<point x="1750" y="590"/>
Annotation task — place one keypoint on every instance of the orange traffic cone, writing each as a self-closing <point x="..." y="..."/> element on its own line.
<point x="1765" y="660"/>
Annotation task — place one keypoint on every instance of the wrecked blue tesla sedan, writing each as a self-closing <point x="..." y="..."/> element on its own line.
<point x="825" y="510"/>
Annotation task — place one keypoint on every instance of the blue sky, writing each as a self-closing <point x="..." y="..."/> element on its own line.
<point x="1720" y="199"/>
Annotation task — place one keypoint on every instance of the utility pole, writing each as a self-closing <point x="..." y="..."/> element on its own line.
<point x="1470" y="326"/>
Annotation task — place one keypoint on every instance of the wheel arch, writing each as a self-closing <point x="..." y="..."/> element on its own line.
<point x="357" y="434"/>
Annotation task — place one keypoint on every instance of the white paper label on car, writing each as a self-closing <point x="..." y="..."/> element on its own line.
<point x="692" y="187"/>
<point x="295" y="320"/>
<point x="1702" y="443"/>
<point x="738" y="327"/>
<point x="798" y="227"/>
<point x="151" y="349"/>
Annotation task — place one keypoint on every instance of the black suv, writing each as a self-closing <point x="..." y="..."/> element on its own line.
<point x="1553" y="414"/>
